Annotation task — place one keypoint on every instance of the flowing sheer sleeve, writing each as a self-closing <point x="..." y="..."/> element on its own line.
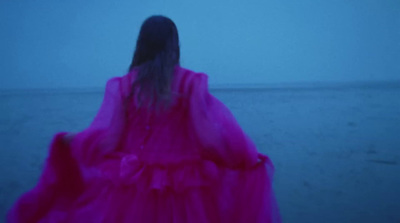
<point x="217" y="130"/>
<point x="63" y="177"/>
<point x="104" y="132"/>
<point x="111" y="107"/>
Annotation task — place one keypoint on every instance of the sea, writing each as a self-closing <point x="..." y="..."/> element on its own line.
<point x="335" y="147"/>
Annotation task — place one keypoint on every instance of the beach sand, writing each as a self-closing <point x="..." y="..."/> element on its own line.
<point x="336" y="150"/>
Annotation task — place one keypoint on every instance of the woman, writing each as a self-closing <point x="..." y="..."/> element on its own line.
<point x="160" y="149"/>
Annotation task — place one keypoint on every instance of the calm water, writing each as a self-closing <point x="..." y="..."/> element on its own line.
<point x="336" y="150"/>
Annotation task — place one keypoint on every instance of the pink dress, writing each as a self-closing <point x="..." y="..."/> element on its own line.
<point x="192" y="164"/>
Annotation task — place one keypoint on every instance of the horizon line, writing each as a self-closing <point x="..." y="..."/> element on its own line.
<point x="217" y="87"/>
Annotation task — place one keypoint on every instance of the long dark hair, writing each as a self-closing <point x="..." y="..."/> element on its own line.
<point x="157" y="53"/>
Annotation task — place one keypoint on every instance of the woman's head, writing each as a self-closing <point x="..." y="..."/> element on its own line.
<point x="156" y="54"/>
<point x="158" y="36"/>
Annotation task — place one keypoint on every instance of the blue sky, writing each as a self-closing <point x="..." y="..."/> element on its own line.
<point x="81" y="44"/>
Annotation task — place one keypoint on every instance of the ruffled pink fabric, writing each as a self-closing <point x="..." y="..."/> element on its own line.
<point x="190" y="164"/>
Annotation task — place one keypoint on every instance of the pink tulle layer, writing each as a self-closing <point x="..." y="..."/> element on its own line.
<point x="193" y="164"/>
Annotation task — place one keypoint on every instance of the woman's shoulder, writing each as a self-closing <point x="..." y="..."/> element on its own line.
<point x="191" y="77"/>
<point x="188" y="79"/>
<point x="119" y="84"/>
<point x="190" y="73"/>
<point x="185" y="78"/>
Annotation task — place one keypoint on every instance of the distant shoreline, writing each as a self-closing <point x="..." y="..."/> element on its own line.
<point x="241" y="87"/>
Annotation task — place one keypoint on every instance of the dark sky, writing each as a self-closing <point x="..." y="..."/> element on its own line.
<point x="74" y="44"/>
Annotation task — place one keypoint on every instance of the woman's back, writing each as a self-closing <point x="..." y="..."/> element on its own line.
<point x="158" y="135"/>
